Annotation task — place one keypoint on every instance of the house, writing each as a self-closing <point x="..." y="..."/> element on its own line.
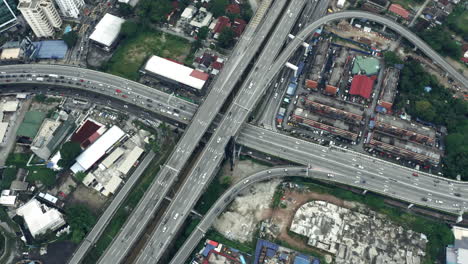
<point x="399" y="11"/>
<point x="221" y="23"/>
<point x="238" y="26"/>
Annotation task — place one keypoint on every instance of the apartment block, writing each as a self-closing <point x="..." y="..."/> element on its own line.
<point x="41" y="15"/>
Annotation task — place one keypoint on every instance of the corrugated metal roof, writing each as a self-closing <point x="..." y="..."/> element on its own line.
<point x="107" y="30"/>
<point x="176" y="72"/>
<point x="361" y="85"/>
<point x="92" y="154"/>
<point x="51" y="49"/>
<point x="131" y="158"/>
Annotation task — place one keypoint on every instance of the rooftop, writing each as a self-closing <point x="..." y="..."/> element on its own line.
<point x="31" y="123"/>
<point x="362" y="86"/>
<point x="176" y="72"/>
<point x="365" y="65"/>
<point x="107" y="30"/>
<point x="399" y="10"/>
<point x="40" y="218"/>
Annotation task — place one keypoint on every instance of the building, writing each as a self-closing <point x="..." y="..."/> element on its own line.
<point x="188" y="14"/>
<point x="362" y="86"/>
<point x="41" y="16"/>
<point x="340" y="3"/>
<point x="220" y="24"/>
<point x="130" y="160"/>
<point x="202" y="19"/>
<point x="177" y="73"/>
<point x="458" y="252"/>
<point x="50" y="49"/>
<point x="107" y="31"/>
<point x="14" y="51"/>
<point x="8" y="12"/>
<point x="365" y="65"/>
<point x="92" y="154"/>
<point x="70" y="8"/>
<point x="87" y="133"/>
<point x="39" y="218"/>
<point x="3" y="129"/>
<point x="7" y="198"/>
<point x="389" y="85"/>
<point x="51" y="134"/>
<point x="399" y="11"/>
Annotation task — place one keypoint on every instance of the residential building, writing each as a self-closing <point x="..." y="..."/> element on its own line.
<point x="41" y="16"/>
<point x="202" y="19"/>
<point x="399" y="11"/>
<point x="8" y="12"/>
<point x="458" y="252"/>
<point x="70" y="8"/>
<point x="39" y="218"/>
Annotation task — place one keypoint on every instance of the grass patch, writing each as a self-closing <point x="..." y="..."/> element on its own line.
<point x="438" y="233"/>
<point x="277" y="198"/>
<point x="19" y="160"/>
<point x="132" y="53"/>
<point x="44" y="175"/>
<point x="9" y="175"/>
<point x="261" y="162"/>
<point x="244" y="247"/>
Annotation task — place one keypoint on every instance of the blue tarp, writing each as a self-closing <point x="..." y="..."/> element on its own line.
<point x="301" y="259"/>
<point x="300" y="67"/>
<point x="260" y="245"/>
<point x="207" y="249"/>
<point x="51" y="49"/>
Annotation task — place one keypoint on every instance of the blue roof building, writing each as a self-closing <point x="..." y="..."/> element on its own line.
<point x="51" y="49"/>
<point x="301" y="259"/>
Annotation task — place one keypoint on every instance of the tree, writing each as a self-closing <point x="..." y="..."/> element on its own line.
<point x="159" y="10"/>
<point x="203" y="32"/>
<point x="125" y="9"/>
<point x="246" y="12"/>
<point x="129" y="28"/>
<point x="218" y="7"/>
<point x="80" y="175"/>
<point x="70" y="38"/>
<point x="68" y="153"/>
<point x="226" y="37"/>
<point x="424" y="110"/>
<point x="81" y="220"/>
<point x="391" y="58"/>
<point x="40" y="98"/>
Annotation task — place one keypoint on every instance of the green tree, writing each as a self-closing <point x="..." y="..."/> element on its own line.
<point x="80" y="175"/>
<point x="203" y="32"/>
<point x="129" y="29"/>
<point x="159" y="10"/>
<point x="226" y="37"/>
<point x="246" y="12"/>
<point x="70" y="38"/>
<point x="68" y="153"/>
<point x="441" y="41"/>
<point x="218" y="7"/>
<point x="81" y="220"/>
<point x="125" y="9"/>
<point x="40" y="98"/>
<point x="391" y="58"/>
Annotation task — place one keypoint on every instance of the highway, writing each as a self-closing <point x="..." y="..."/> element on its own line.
<point x="101" y="83"/>
<point x="243" y="52"/>
<point x="207" y="165"/>
<point x="92" y="237"/>
<point x="222" y="87"/>
<point x="378" y="175"/>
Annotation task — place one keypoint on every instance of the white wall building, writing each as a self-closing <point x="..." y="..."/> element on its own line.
<point x="107" y="30"/>
<point x="41" y="15"/>
<point x="70" y="8"/>
<point x="39" y="218"/>
<point x="93" y="153"/>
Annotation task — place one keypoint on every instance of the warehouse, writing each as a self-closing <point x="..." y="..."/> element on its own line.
<point x="176" y="73"/>
<point x="92" y="154"/>
<point x="107" y="31"/>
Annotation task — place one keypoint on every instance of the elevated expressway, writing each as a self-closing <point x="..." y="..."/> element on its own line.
<point x="243" y="52"/>
<point x="112" y="81"/>
<point x="207" y="164"/>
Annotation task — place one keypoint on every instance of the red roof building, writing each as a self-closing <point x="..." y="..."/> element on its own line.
<point x="233" y="9"/>
<point x="200" y="75"/>
<point x="362" y="86"/>
<point x="217" y="65"/>
<point x="222" y="23"/>
<point x="239" y="26"/>
<point x="399" y="10"/>
<point x="331" y="90"/>
<point x="311" y="84"/>
<point x="86" y="134"/>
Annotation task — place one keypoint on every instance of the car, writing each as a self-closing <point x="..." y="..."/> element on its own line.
<point x="246" y="181"/>
<point x="285" y="170"/>
<point x="457" y="194"/>
<point x="269" y="172"/>
<point x="415" y="174"/>
<point x="176" y="215"/>
<point x="164" y="229"/>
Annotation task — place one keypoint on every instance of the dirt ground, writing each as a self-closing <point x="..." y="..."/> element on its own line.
<point x="282" y="217"/>
<point x="88" y="196"/>
<point x="242" y="169"/>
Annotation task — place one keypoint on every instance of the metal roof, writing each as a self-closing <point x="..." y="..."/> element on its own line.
<point x="131" y="158"/>
<point x="92" y="154"/>
<point x="40" y="218"/>
<point x="107" y="30"/>
<point x="176" y="72"/>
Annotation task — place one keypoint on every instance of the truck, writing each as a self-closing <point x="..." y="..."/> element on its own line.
<point x="40" y="79"/>
<point x="282" y="111"/>
<point x="53" y="75"/>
